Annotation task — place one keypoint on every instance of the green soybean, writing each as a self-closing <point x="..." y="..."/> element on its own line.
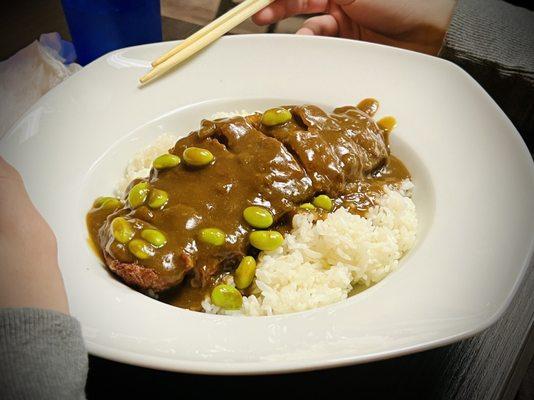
<point x="245" y="272"/>
<point x="213" y="236"/>
<point x="138" y="194"/>
<point x="276" y="116"/>
<point x="141" y="249"/>
<point x="122" y="230"/>
<point x="107" y="202"/>
<point x="154" y="237"/>
<point x="258" y="217"/>
<point x="157" y="198"/>
<point x="197" y="157"/>
<point x="266" y="240"/>
<point x="227" y="297"/>
<point x="112" y="204"/>
<point x="166" y="161"/>
<point x="324" y="202"/>
<point x="307" y="206"/>
<point x="100" y="200"/>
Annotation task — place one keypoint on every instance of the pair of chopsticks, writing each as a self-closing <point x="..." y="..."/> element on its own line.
<point x="204" y="37"/>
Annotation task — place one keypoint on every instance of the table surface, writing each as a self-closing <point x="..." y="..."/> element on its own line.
<point x="490" y="365"/>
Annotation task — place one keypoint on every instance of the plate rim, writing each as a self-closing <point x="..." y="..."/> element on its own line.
<point x="276" y="367"/>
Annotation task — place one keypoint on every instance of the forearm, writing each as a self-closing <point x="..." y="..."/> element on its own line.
<point x="33" y="282"/>
<point x="43" y="355"/>
<point x="493" y="42"/>
<point x="29" y="272"/>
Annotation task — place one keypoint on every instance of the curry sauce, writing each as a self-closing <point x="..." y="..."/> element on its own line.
<point x="344" y="155"/>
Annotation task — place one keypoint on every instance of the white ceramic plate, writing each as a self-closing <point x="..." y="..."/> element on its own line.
<point x="474" y="186"/>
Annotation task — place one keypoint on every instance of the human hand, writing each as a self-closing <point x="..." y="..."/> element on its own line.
<point x="29" y="271"/>
<point x="418" y="25"/>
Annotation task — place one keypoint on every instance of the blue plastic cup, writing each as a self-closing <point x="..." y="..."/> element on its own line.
<point x="100" y="26"/>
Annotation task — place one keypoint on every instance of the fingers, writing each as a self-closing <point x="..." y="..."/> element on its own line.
<point x="281" y="9"/>
<point x="381" y="15"/>
<point x="323" y="25"/>
<point x="346" y="27"/>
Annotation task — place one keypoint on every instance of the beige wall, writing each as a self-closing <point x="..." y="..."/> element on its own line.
<point x="201" y="12"/>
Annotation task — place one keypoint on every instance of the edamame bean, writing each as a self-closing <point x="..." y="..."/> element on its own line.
<point x="198" y="157"/>
<point x="307" y="206"/>
<point x="166" y="161"/>
<point x="100" y="200"/>
<point x="141" y="249"/>
<point x="157" y="198"/>
<point x="112" y="204"/>
<point x="245" y="272"/>
<point x="276" y="116"/>
<point x="387" y="123"/>
<point x="107" y="202"/>
<point x="227" y="297"/>
<point x="154" y="237"/>
<point x="138" y="194"/>
<point x="324" y="202"/>
<point x="213" y="236"/>
<point x="266" y="240"/>
<point x="122" y="230"/>
<point x="258" y="217"/>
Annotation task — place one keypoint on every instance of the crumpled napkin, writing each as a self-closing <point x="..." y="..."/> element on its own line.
<point x="32" y="72"/>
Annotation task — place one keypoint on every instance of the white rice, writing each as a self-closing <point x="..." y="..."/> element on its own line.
<point x="320" y="262"/>
<point x="236" y="113"/>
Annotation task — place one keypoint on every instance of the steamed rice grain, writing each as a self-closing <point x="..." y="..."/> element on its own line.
<point x="321" y="262"/>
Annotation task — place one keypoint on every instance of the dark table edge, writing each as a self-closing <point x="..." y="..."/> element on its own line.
<point x="520" y="368"/>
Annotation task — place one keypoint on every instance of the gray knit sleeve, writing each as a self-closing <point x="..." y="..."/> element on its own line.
<point x="42" y="355"/>
<point x="494" y="42"/>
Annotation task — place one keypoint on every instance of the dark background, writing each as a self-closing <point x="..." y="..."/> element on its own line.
<point x="22" y="21"/>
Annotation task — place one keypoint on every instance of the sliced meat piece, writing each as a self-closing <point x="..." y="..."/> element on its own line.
<point x="142" y="277"/>
<point x="314" y="153"/>
<point x="279" y="178"/>
<point x="333" y="133"/>
<point x="362" y="130"/>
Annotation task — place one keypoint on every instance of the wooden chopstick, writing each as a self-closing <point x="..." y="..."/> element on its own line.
<point x="204" y="37"/>
<point x="197" y="35"/>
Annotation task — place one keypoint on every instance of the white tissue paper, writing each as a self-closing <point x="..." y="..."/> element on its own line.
<point x="32" y="72"/>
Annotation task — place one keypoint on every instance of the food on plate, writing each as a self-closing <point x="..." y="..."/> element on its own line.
<point x="261" y="214"/>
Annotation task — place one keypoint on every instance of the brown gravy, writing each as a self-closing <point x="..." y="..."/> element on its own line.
<point x="344" y="155"/>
